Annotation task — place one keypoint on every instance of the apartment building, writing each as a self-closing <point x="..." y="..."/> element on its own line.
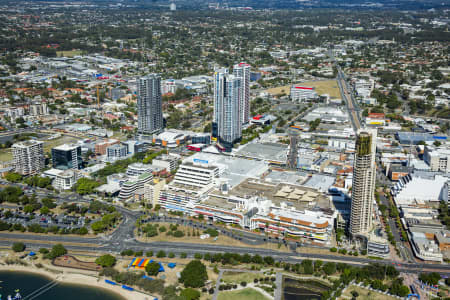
<point x="149" y="105"/>
<point x="363" y="185"/>
<point x="28" y="157"/>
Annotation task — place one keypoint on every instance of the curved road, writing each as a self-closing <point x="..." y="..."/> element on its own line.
<point x="123" y="238"/>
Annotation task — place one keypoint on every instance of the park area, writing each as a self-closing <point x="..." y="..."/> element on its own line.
<point x="364" y="294"/>
<point x="189" y="237"/>
<point x="244" y="294"/>
<point x="68" y="261"/>
<point x="69" y="53"/>
<point x="321" y="87"/>
<point x="238" y="277"/>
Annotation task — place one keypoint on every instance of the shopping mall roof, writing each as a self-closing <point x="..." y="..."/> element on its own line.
<point x="264" y="151"/>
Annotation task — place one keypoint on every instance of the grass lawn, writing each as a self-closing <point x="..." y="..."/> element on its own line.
<point x="5" y="154"/>
<point x="221" y="240"/>
<point x="238" y="277"/>
<point x="70" y="53"/>
<point x="364" y="294"/>
<point x="244" y="294"/>
<point x="329" y="87"/>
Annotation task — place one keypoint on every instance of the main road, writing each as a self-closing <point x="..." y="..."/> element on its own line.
<point x="123" y="238"/>
<point x="347" y="96"/>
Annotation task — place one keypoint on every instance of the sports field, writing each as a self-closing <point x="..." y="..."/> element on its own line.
<point x="69" y="53"/>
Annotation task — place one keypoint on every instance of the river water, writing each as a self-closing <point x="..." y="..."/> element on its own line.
<point x="27" y="283"/>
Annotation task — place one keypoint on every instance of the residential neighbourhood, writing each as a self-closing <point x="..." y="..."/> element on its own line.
<point x="301" y="134"/>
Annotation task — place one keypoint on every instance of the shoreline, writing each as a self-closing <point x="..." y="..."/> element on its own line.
<point x="68" y="277"/>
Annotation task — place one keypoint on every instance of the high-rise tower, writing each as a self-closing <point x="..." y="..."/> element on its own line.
<point x="227" y="125"/>
<point x="243" y="70"/>
<point x="28" y="157"/>
<point x="149" y="104"/>
<point x="363" y="186"/>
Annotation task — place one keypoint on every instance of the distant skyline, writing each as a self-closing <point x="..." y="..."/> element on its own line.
<point x="283" y="4"/>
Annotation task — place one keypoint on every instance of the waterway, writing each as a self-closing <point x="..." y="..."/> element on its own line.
<point x="27" y="283"/>
<point x="294" y="289"/>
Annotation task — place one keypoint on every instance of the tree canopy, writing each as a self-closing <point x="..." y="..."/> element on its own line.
<point x="57" y="251"/>
<point x="86" y="186"/>
<point x="194" y="274"/>
<point x="18" y="247"/>
<point x="152" y="268"/>
<point x="106" y="260"/>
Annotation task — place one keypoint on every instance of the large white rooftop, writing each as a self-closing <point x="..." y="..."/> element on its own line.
<point x="421" y="189"/>
<point x="235" y="170"/>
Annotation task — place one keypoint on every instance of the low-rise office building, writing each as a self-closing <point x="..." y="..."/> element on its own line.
<point x="101" y="148"/>
<point x="176" y="197"/>
<point x="437" y="158"/>
<point x="65" y="180"/>
<point x="301" y="94"/>
<point x="377" y="245"/>
<point x="197" y="174"/>
<point x="137" y="169"/>
<point x="425" y="247"/>
<point x="168" y="162"/>
<point x="129" y="187"/>
<point x="152" y="190"/>
<point x="117" y="151"/>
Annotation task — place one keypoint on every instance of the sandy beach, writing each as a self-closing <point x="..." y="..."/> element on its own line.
<point x="75" y="277"/>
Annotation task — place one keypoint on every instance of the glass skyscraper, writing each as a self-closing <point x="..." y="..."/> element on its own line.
<point x="66" y="157"/>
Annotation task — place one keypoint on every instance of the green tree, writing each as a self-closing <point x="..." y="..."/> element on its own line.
<point x="18" y="247"/>
<point x="307" y="266"/>
<point x="13" y="177"/>
<point x="45" y="210"/>
<point x="28" y="208"/>
<point x="152" y="268"/>
<point x="269" y="260"/>
<point x="106" y="260"/>
<point x="48" y="202"/>
<point x="430" y="278"/>
<point x="83" y="231"/>
<point x="85" y="186"/>
<point x="161" y="254"/>
<point x="194" y="274"/>
<point x="57" y="251"/>
<point x="98" y="226"/>
<point x="329" y="268"/>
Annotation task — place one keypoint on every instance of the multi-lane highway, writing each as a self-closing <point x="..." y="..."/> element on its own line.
<point x="123" y="238"/>
<point x="350" y="102"/>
